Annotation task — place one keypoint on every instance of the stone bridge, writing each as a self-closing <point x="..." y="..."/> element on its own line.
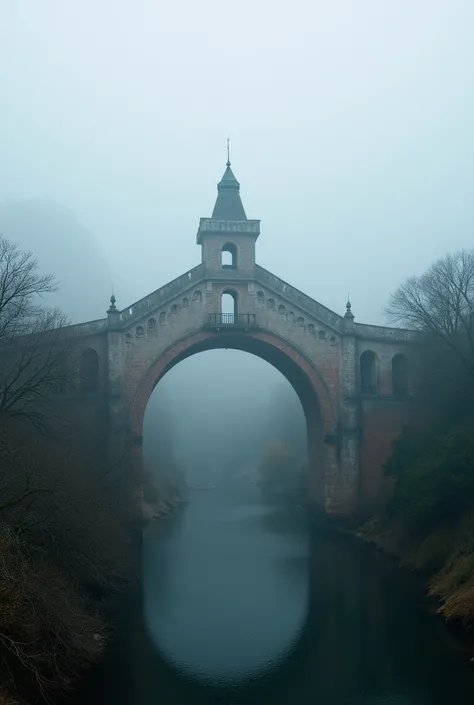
<point x="353" y="380"/>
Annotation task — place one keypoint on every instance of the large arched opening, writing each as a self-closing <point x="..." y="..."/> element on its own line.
<point x="234" y="544"/>
<point x="309" y="385"/>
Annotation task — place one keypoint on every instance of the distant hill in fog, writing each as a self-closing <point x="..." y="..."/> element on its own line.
<point x="65" y="248"/>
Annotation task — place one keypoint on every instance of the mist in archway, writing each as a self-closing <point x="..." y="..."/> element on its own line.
<point x="217" y="411"/>
<point x="236" y="569"/>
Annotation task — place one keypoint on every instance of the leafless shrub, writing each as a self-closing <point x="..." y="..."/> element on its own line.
<point x="7" y="699"/>
<point x="62" y="507"/>
<point x="64" y="540"/>
<point x="48" y="630"/>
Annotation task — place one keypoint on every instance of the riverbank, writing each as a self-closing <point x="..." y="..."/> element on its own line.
<point x="426" y="520"/>
<point x="112" y="607"/>
<point x="162" y="497"/>
<point x="67" y="553"/>
<point x="162" y="506"/>
<point x="444" y="557"/>
<point x="61" y="601"/>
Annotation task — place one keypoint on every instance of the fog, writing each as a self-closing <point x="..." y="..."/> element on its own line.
<point x="351" y="134"/>
<point x="216" y="412"/>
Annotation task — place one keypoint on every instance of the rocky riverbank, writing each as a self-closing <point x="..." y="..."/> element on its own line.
<point x="159" y="501"/>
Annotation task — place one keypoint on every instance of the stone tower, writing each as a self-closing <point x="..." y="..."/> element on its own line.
<point x="228" y="237"/>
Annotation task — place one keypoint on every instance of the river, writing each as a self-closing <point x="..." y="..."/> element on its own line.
<point x="241" y="605"/>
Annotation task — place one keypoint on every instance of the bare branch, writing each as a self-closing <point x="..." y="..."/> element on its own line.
<point x="441" y="304"/>
<point x="33" y="353"/>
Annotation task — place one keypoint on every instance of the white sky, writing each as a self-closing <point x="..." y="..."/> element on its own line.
<point x="351" y="127"/>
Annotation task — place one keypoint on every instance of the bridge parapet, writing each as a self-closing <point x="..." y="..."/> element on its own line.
<point x="162" y="295"/>
<point x="383" y="333"/>
<point x="85" y="329"/>
<point x="306" y="303"/>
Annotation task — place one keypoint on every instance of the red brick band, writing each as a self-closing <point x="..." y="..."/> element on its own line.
<point x="166" y="359"/>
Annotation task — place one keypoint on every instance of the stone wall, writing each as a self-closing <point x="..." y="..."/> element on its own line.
<point x="381" y="422"/>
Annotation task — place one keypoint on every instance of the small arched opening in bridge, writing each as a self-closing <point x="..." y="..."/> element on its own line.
<point x="229" y="309"/>
<point x="229" y="256"/>
<point x="400" y="375"/>
<point x="368" y="372"/>
<point x="89" y="370"/>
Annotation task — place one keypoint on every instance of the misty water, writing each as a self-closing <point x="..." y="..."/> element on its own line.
<point x="241" y="603"/>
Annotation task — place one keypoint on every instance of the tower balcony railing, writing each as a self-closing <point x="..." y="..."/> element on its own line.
<point x="231" y="319"/>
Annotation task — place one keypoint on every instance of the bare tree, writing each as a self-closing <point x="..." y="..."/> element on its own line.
<point x="63" y="538"/>
<point x="33" y="352"/>
<point x="440" y="303"/>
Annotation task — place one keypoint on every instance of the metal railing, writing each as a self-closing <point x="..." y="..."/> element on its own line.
<point x="232" y="319"/>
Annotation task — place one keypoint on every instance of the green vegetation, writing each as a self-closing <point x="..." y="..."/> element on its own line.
<point x="435" y="476"/>
<point x="428" y="520"/>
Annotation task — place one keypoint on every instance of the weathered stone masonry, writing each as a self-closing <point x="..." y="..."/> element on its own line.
<point x="341" y="370"/>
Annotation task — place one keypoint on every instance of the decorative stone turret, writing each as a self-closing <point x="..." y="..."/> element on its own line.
<point x="113" y="314"/>
<point x="349" y="319"/>
<point x="348" y="314"/>
<point x="228" y="230"/>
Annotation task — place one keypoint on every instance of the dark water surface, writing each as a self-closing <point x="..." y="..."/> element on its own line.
<point x="241" y="606"/>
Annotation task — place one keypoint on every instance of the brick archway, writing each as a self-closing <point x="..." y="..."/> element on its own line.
<point x="309" y="384"/>
<point x="208" y="340"/>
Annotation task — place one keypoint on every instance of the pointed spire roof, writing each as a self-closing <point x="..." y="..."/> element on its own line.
<point x="228" y="215"/>
<point x="228" y="204"/>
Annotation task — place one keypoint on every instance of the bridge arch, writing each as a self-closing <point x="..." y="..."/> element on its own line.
<point x="308" y="383"/>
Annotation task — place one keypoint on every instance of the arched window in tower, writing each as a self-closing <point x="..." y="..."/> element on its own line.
<point x="89" y="370"/>
<point x="368" y="372"/>
<point x="229" y="307"/>
<point x="400" y="375"/>
<point x="229" y="256"/>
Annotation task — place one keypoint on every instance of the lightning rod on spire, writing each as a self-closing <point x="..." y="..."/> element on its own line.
<point x="228" y="151"/>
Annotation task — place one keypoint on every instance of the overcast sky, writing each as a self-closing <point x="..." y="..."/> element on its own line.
<point x="351" y="125"/>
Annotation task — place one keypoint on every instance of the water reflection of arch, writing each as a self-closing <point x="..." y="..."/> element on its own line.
<point x="335" y="657"/>
<point x="366" y="638"/>
<point x="277" y="612"/>
<point x="293" y="662"/>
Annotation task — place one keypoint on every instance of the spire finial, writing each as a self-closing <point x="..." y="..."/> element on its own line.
<point x="113" y="300"/>
<point x="228" y="152"/>
<point x="348" y="313"/>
